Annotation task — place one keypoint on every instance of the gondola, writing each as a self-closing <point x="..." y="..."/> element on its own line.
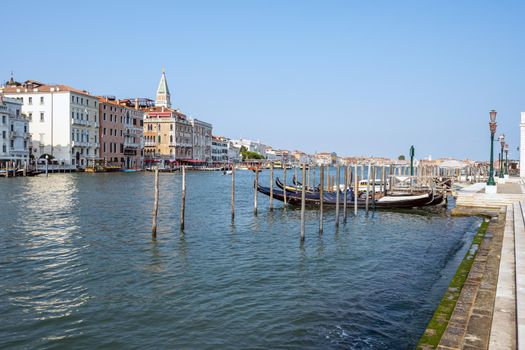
<point x="329" y="199"/>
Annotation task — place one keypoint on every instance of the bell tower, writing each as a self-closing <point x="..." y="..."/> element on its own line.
<point x="163" y="93"/>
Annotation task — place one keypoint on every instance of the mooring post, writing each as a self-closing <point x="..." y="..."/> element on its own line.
<point x="284" y="189"/>
<point x="309" y="172"/>
<point x="356" y="188"/>
<point x="345" y="194"/>
<point x="233" y="193"/>
<point x="303" y="199"/>
<point x="256" y="185"/>
<point x="295" y="175"/>
<point x="25" y="168"/>
<point x="321" y="197"/>
<point x="271" y="186"/>
<point x="374" y="174"/>
<point x="183" y="199"/>
<point x="155" y="204"/>
<point x="367" y="200"/>
<point x="328" y="178"/>
<point x="337" y="194"/>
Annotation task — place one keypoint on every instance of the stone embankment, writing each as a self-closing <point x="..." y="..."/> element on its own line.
<point x="490" y="310"/>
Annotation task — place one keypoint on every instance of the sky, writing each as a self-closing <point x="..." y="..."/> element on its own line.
<point x="366" y="78"/>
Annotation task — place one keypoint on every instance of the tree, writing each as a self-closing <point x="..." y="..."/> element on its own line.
<point x="401" y="157"/>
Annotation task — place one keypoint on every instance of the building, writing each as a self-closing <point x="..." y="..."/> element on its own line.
<point x="522" y="145"/>
<point x="234" y="153"/>
<point x="63" y="121"/>
<point x="170" y="136"/>
<point x="219" y="149"/>
<point x="202" y="140"/>
<point x="120" y="133"/>
<point x="251" y="146"/>
<point x="14" y="132"/>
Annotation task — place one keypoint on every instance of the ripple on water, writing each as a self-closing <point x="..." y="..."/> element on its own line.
<point x="79" y="269"/>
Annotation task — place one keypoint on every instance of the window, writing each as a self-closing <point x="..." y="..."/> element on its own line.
<point x="72" y="115"/>
<point x="82" y="101"/>
<point x="42" y="116"/>
<point x="104" y="114"/>
<point x="73" y="99"/>
<point x="104" y="144"/>
<point x="25" y="144"/>
<point x="104" y="131"/>
<point x="12" y="143"/>
<point x="121" y="132"/>
<point x="30" y="101"/>
<point x="171" y="138"/>
<point x="41" y="100"/>
<point x="3" y="119"/>
<point x="25" y="128"/>
<point x="77" y="99"/>
<point x="4" y="134"/>
<point x="4" y="148"/>
<point x="87" y="102"/>
<point x="30" y="116"/>
<point x="104" y="107"/>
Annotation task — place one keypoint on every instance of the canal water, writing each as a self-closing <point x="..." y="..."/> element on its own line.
<point x="78" y="268"/>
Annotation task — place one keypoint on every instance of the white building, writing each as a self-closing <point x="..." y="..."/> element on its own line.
<point x="251" y="146"/>
<point x="201" y="140"/>
<point x="522" y="145"/>
<point x="14" y="132"/>
<point x="234" y="153"/>
<point x="219" y="149"/>
<point x="63" y="121"/>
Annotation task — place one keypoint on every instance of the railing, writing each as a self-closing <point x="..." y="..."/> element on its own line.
<point x="150" y="143"/>
<point x="79" y="144"/>
<point x="12" y="134"/>
<point x="75" y="121"/>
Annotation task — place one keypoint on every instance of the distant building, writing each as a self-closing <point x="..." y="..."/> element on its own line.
<point x="201" y="140"/>
<point x="63" y="121"/>
<point x="219" y="149"/>
<point x="121" y="133"/>
<point x="251" y="146"/>
<point x="170" y="136"/>
<point x="14" y="136"/>
<point x="522" y="145"/>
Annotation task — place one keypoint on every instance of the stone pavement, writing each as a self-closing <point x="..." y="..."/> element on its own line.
<point x="496" y="315"/>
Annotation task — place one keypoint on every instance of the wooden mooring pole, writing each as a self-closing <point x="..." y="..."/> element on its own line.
<point x="256" y="184"/>
<point x="271" y="186"/>
<point x="337" y="194"/>
<point x="183" y="199"/>
<point x="321" y="195"/>
<point x="284" y="190"/>
<point x="233" y="193"/>
<point x="155" y="204"/>
<point x="345" y="193"/>
<point x="356" y="188"/>
<point x="367" y="200"/>
<point x="303" y="200"/>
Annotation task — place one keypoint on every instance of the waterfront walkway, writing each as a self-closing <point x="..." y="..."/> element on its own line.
<point x="490" y="312"/>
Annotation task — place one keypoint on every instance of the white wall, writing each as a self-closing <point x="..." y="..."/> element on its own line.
<point x="522" y="145"/>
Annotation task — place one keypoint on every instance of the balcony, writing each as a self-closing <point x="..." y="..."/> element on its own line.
<point x="79" y="144"/>
<point x="150" y="143"/>
<point x="79" y="122"/>
<point x="132" y="145"/>
<point x="94" y="145"/>
<point x="13" y="134"/>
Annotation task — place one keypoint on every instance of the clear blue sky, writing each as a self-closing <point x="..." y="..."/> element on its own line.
<point x="355" y="77"/>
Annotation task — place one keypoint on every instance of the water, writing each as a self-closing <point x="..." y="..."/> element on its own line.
<point x="78" y="268"/>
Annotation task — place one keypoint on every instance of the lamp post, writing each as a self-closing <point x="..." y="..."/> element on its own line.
<point x="506" y="160"/>
<point x="501" y="140"/>
<point x="492" y="126"/>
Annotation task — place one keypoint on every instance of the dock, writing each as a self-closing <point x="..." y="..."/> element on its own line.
<point x="490" y="310"/>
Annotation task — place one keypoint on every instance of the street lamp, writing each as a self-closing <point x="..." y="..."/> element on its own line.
<point x="492" y="126"/>
<point x="507" y="159"/>
<point x="501" y="140"/>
